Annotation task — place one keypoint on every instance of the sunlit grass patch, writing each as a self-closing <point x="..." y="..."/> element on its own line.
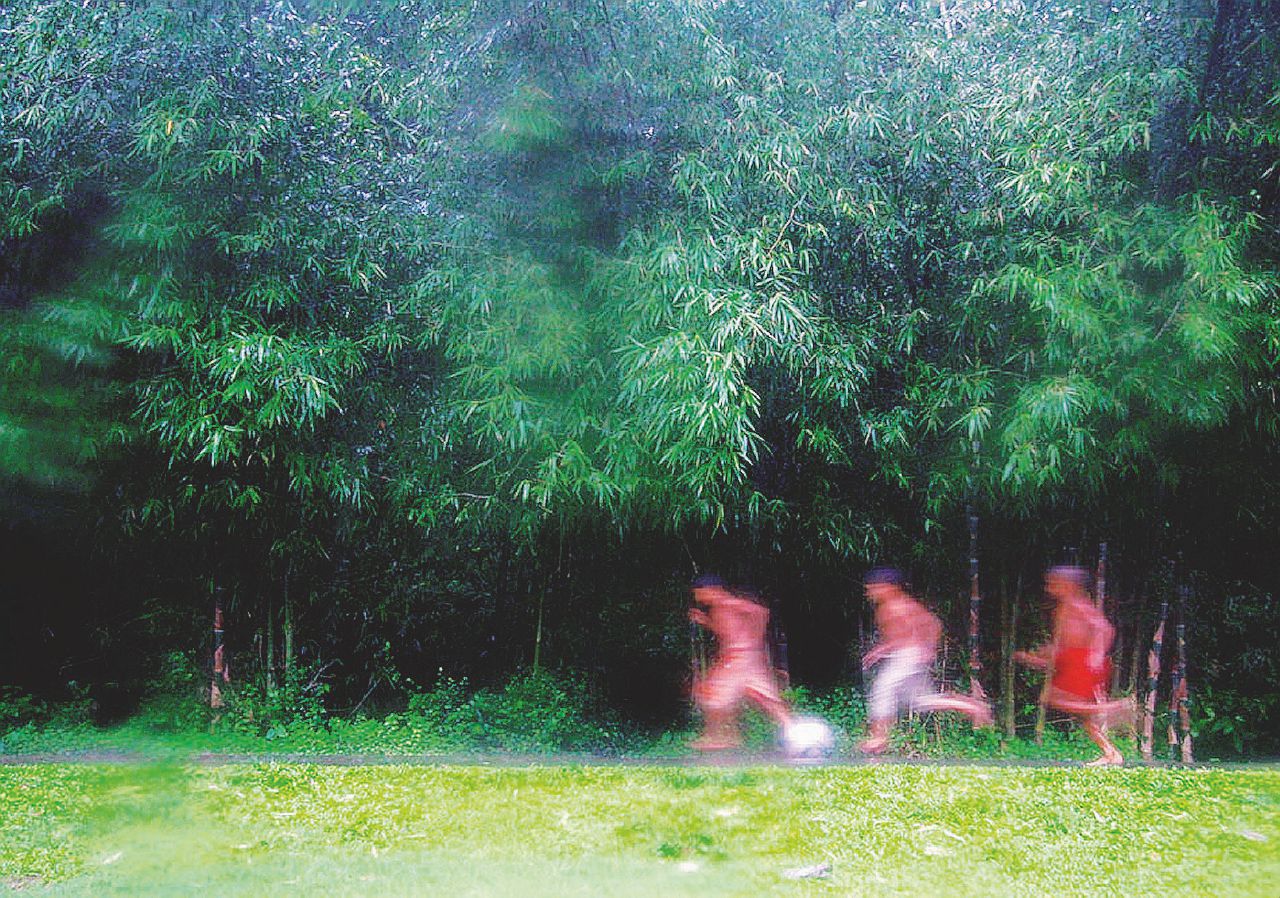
<point x="599" y="830"/>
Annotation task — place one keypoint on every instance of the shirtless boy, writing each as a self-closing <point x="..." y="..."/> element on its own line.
<point x="1078" y="650"/>
<point x="909" y="635"/>
<point x="741" y="668"/>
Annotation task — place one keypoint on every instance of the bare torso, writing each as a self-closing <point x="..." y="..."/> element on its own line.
<point x="905" y="623"/>
<point x="739" y="625"/>
<point x="1079" y="625"/>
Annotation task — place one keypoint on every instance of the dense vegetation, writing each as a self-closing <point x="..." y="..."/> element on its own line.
<point x="450" y="338"/>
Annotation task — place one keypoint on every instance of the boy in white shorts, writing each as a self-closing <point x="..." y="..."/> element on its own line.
<point x="909" y="635"/>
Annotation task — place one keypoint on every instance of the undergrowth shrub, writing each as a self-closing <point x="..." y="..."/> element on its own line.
<point x="170" y="704"/>
<point x="535" y="711"/>
<point x="297" y="703"/>
<point x="844" y="707"/>
<point x="1232" y="724"/>
<point x="18" y="708"/>
<point x="30" y="724"/>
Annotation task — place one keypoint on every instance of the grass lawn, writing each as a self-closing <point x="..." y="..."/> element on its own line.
<point x="267" y="829"/>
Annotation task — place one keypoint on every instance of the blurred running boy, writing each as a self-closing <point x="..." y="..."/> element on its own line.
<point x="741" y="668"/>
<point x="1078" y="649"/>
<point x="909" y="635"/>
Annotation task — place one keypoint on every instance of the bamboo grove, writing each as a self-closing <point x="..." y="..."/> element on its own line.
<point x="437" y="335"/>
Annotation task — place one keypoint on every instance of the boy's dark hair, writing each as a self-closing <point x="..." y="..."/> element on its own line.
<point x="709" y="581"/>
<point x="890" y="575"/>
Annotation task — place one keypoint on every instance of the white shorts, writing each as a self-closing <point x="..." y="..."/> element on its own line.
<point x="905" y="678"/>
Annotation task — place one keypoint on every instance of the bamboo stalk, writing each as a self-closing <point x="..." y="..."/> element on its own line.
<point x="270" y="646"/>
<point x="1182" y="696"/>
<point x="221" y="671"/>
<point x="1135" y="650"/>
<point x="1006" y="652"/>
<point x="975" y="606"/>
<point x="288" y="635"/>
<point x="1100" y="580"/>
<point x="1009" y="687"/>
<point x="537" y="638"/>
<point x="1042" y="705"/>
<point x="1153" y="678"/>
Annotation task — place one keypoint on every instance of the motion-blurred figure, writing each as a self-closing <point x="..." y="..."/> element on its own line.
<point x="1077" y="651"/>
<point x="909" y="635"/>
<point x="741" y="668"/>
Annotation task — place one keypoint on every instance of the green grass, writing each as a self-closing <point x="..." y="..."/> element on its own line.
<point x="606" y="831"/>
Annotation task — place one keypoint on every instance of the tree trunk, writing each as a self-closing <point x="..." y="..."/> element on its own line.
<point x="1153" y="679"/>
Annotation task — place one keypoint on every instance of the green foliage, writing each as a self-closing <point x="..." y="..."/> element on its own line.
<point x="1232" y="723"/>
<point x="542" y="711"/>
<point x="256" y="708"/>
<point x="54" y="389"/>
<point x="17" y="707"/>
<point x="491" y="292"/>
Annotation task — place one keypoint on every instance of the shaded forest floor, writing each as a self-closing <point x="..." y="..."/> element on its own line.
<point x="617" y="830"/>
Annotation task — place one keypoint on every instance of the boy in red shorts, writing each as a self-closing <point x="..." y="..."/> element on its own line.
<point x="1078" y="650"/>
<point x="741" y="668"/>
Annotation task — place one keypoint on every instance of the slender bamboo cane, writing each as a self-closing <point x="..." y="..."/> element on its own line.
<point x="1042" y="706"/>
<point x="221" y="671"/>
<point x="1135" y="649"/>
<point x="270" y="646"/>
<point x="537" y="636"/>
<point x="975" y="606"/>
<point x="289" y="676"/>
<point x="1100" y="580"/>
<point x="1153" y="677"/>
<point x="1183" y="694"/>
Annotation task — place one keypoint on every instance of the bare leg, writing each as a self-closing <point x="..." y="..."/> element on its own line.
<point x="718" y="700"/>
<point x="1094" y="717"/>
<point x="877" y="736"/>
<point x="1116" y="712"/>
<point x="1111" y="756"/>
<point x="772" y="705"/>
<point x="718" y="731"/>
<point x="975" y="709"/>
<point x="1120" y="712"/>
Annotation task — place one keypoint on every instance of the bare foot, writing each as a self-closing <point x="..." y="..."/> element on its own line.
<point x="873" y="746"/>
<point x="706" y="743"/>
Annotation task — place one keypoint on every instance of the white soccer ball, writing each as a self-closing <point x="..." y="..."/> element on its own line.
<point x="808" y="739"/>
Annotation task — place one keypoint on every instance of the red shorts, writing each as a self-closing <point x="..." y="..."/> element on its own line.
<point x="1072" y="674"/>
